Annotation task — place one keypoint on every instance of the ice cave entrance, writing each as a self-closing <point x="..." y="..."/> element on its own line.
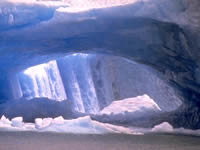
<point x="93" y="81"/>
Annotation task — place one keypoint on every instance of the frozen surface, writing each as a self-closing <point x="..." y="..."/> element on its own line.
<point x="85" y="125"/>
<point x="138" y="106"/>
<point x="82" y="125"/>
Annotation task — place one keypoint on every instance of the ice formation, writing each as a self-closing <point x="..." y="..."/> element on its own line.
<point x="42" y="81"/>
<point x="82" y="125"/>
<point x="140" y="105"/>
<point x="17" y="122"/>
<point x="78" y="82"/>
<point x="92" y="82"/>
<point x="163" y="127"/>
<point x="85" y="125"/>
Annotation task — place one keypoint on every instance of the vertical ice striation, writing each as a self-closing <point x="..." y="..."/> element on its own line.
<point x="84" y="76"/>
<point x="78" y="82"/>
<point x="70" y="83"/>
<point x="42" y="81"/>
<point x="102" y="79"/>
<point x="92" y="82"/>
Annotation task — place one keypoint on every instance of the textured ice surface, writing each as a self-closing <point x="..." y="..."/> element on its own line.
<point x="82" y="125"/>
<point x="138" y="105"/>
<point x="79" y="85"/>
<point x="42" y="81"/>
<point x="85" y="125"/>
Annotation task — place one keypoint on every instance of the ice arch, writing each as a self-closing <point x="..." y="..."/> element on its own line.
<point x="91" y="82"/>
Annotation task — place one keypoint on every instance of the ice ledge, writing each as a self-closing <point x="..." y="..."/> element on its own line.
<point x="85" y="125"/>
<point x="82" y="125"/>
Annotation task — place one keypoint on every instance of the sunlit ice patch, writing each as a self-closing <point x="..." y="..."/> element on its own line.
<point x="75" y="5"/>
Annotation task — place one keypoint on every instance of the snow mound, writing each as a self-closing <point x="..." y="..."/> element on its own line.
<point x="140" y="105"/>
<point x="163" y="127"/>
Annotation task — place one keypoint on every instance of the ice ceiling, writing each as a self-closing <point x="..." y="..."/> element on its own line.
<point x="162" y="34"/>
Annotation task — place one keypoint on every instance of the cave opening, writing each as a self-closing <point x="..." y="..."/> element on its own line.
<point x="109" y="88"/>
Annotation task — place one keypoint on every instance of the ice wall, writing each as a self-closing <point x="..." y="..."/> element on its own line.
<point x="130" y="79"/>
<point x="92" y="82"/>
<point x="102" y="79"/>
<point x="15" y="87"/>
<point x="42" y="81"/>
<point x="78" y="82"/>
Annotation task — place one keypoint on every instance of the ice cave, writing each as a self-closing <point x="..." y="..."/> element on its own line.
<point x="117" y="72"/>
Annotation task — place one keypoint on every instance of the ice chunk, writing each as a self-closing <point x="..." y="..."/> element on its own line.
<point x="5" y="120"/>
<point x="42" y="123"/>
<point x="38" y="122"/>
<point x="163" y="127"/>
<point x="46" y="122"/>
<point x="17" y="122"/>
<point x="84" y="125"/>
<point x="141" y="105"/>
<point x="58" y="120"/>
